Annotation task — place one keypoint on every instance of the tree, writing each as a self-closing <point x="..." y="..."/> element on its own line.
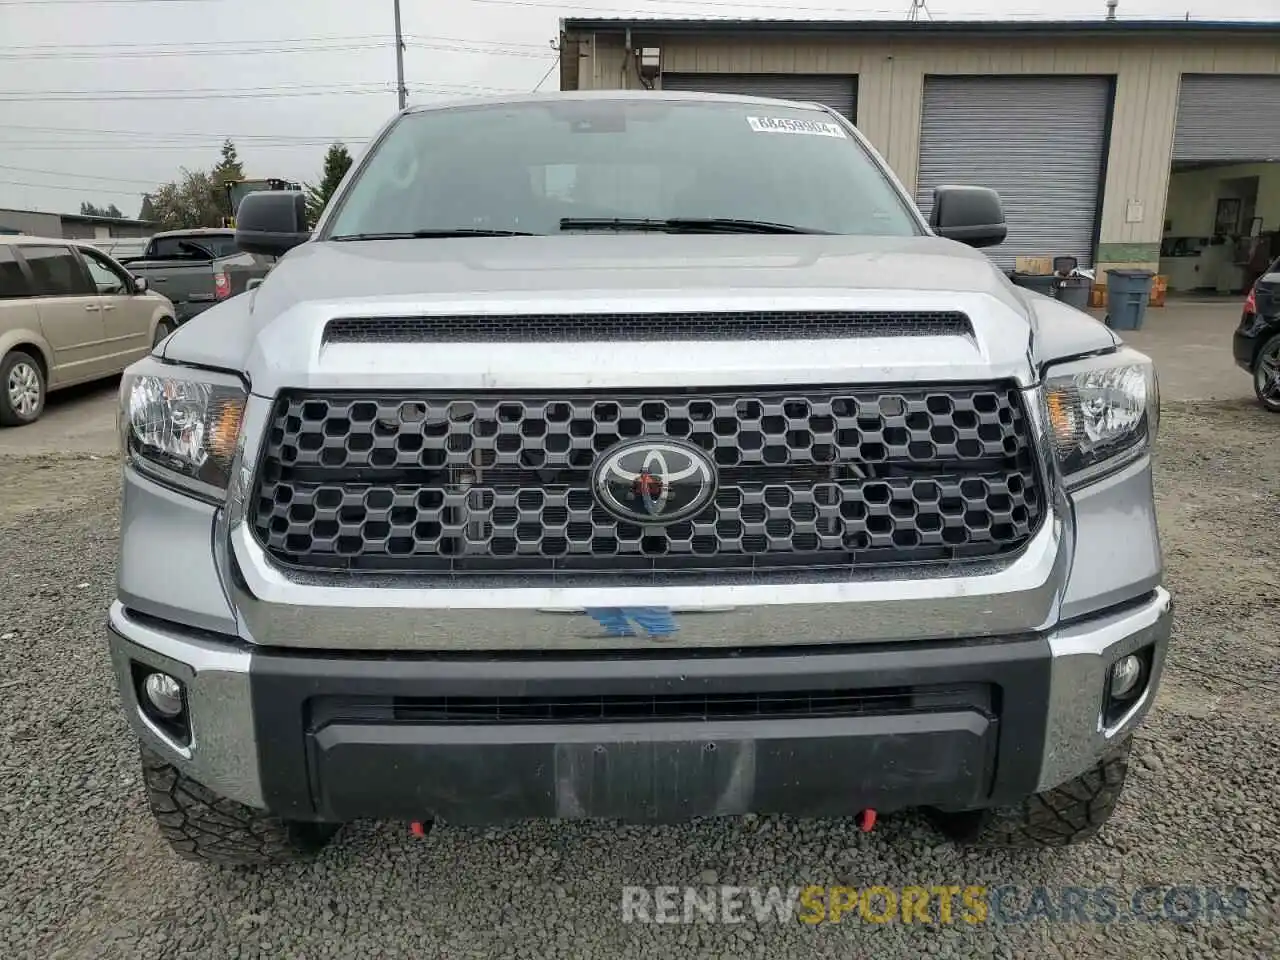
<point x="91" y="210"/>
<point x="337" y="161"/>
<point x="196" y="199"/>
<point x="228" y="170"/>
<point x="146" y="211"/>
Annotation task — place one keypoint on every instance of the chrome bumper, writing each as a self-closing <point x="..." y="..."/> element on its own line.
<point x="223" y="753"/>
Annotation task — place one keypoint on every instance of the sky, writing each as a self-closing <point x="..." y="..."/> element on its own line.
<point x="102" y="100"/>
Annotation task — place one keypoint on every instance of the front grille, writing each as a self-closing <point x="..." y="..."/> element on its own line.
<point x="501" y="484"/>
<point x="605" y="708"/>
<point x="577" y="327"/>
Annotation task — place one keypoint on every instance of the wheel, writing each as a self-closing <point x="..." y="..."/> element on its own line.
<point x="200" y="825"/>
<point x="1266" y="374"/>
<point x="1067" y="814"/>
<point x="22" y="396"/>
<point x="163" y="329"/>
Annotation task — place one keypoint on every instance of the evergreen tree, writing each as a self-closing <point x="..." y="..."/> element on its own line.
<point x="337" y="161"/>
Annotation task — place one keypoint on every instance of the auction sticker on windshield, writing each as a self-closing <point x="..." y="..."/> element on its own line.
<point x="816" y="128"/>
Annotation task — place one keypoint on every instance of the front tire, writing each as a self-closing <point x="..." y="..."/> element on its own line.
<point x="1071" y="813"/>
<point x="163" y="329"/>
<point x="22" y="389"/>
<point x="1266" y="374"/>
<point x="200" y="825"/>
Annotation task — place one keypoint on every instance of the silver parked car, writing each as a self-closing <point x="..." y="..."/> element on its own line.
<point x="68" y="313"/>
<point x="643" y="456"/>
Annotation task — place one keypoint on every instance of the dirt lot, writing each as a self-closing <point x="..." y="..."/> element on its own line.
<point x="83" y="874"/>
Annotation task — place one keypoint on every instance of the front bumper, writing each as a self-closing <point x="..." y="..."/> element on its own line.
<point x="329" y="736"/>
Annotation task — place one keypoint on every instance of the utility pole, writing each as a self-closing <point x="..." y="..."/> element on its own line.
<point x="400" y="88"/>
<point x="918" y="7"/>
<point x="1111" y="8"/>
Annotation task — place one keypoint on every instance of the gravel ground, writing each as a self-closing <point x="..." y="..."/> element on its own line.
<point x="83" y="874"/>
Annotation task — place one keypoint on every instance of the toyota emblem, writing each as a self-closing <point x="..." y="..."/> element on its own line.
<point x="654" y="481"/>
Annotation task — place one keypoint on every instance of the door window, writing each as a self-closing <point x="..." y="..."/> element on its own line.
<point x="56" y="272"/>
<point x="13" y="282"/>
<point x="106" y="278"/>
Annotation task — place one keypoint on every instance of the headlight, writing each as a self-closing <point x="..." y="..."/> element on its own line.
<point x="181" y="425"/>
<point x="1103" y="413"/>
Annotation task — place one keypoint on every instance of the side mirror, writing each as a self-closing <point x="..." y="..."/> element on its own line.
<point x="272" y="222"/>
<point x="972" y="215"/>
<point x="140" y="285"/>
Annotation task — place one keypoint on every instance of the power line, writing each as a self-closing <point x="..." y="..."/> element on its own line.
<point x="500" y="43"/>
<point x="681" y="6"/>
<point x="180" y="135"/>
<point x="141" y="54"/>
<point x="273" y="42"/>
<point x="69" y="189"/>
<point x="190" y="148"/>
<point x="187" y="44"/>
<point x="75" y="176"/>
<point x="85" y="3"/>
<point x="690" y="8"/>
<point x="122" y="96"/>
<point x="547" y="74"/>
<point x="213" y="93"/>
<point x="458" y="48"/>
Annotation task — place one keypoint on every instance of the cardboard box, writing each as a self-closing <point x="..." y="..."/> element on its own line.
<point x="1098" y="297"/>
<point x="1034" y="265"/>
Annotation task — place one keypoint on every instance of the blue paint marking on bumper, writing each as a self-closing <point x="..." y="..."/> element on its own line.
<point x="617" y="621"/>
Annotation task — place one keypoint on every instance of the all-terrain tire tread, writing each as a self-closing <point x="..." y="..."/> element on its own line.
<point x="1071" y="813"/>
<point x="200" y="825"/>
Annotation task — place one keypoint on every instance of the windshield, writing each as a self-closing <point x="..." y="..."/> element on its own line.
<point x="530" y="167"/>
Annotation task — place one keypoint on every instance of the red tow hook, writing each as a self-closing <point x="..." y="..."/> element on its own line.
<point x="866" y="820"/>
<point x="419" y="829"/>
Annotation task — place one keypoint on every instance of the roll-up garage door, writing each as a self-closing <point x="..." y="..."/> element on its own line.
<point x="840" y="93"/>
<point x="1037" y="140"/>
<point x="1227" y="117"/>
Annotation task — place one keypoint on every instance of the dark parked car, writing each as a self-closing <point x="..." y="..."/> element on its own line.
<point x="198" y="268"/>
<point x="1256" y="343"/>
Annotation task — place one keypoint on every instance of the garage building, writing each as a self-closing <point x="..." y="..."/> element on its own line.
<point x="1110" y="141"/>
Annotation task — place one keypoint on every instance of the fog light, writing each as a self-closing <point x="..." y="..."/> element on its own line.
<point x="164" y="694"/>
<point x="1125" y="674"/>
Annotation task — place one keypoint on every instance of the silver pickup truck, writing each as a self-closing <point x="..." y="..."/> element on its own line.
<point x="198" y="268"/>
<point x="642" y="456"/>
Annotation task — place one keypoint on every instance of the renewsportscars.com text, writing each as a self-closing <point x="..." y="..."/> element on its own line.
<point x="940" y="904"/>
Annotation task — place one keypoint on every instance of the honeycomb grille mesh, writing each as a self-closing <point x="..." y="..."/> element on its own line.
<point x="534" y="328"/>
<point x="494" y="484"/>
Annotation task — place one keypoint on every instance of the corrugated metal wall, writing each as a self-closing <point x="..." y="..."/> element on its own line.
<point x="837" y="92"/>
<point x="1228" y="117"/>
<point x="1037" y="140"/>
<point x="31" y="223"/>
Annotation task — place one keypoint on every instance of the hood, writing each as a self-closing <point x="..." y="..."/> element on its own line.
<point x="658" y="264"/>
<point x="275" y="333"/>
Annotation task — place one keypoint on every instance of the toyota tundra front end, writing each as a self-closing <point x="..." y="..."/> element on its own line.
<point x="565" y="473"/>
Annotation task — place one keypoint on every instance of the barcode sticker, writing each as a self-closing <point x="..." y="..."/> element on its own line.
<point x="814" y="128"/>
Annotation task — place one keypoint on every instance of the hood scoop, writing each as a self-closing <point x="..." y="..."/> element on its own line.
<point x="626" y="327"/>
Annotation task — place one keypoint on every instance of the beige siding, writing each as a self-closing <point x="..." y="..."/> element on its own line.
<point x="891" y="76"/>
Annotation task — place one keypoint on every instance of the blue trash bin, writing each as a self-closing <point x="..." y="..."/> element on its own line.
<point x="1127" y="294"/>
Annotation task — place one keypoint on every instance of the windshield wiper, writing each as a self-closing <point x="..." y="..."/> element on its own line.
<point x="682" y="225"/>
<point x="427" y="234"/>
